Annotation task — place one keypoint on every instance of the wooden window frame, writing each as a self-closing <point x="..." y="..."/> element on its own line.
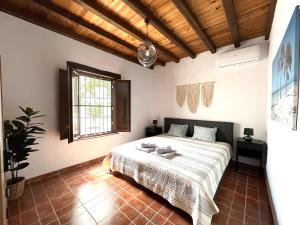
<point x="91" y="72"/>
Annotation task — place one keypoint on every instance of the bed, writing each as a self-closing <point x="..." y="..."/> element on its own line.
<point x="189" y="179"/>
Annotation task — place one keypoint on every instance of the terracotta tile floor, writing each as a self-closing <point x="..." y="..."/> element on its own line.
<point x="88" y="195"/>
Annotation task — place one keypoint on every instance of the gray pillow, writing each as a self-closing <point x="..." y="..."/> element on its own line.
<point x="205" y="134"/>
<point x="178" y="130"/>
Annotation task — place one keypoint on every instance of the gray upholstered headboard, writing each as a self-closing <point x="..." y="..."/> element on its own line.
<point x="224" y="133"/>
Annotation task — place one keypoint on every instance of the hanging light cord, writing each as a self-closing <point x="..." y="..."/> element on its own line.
<point x="147" y="31"/>
<point x="147" y="20"/>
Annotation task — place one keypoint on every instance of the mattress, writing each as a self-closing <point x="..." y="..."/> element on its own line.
<point x="188" y="180"/>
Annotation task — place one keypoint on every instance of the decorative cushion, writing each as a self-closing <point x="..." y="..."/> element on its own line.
<point x="178" y="130"/>
<point x="205" y="133"/>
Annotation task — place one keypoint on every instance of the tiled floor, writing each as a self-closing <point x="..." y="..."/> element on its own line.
<point x="88" y="195"/>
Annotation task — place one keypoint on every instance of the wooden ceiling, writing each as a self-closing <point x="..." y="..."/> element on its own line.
<point x="178" y="28"/>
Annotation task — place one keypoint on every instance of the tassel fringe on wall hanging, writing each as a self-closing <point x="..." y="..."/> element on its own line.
<point x="191" y="92"/>
<point x="207" y="94"/>
<point x="181" y="95"/>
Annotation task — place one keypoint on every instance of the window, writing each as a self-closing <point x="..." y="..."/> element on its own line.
<point x="92" y="106"/>
<point x="92" y="102"/>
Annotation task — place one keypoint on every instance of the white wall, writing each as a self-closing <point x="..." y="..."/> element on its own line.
<point x="31" y="57"/>
<point x="239" y="96"/>
<point x="283" y="165"/>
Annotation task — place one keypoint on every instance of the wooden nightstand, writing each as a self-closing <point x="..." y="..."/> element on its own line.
<point x="252" y="149"/>
<point x="152" y="131"/>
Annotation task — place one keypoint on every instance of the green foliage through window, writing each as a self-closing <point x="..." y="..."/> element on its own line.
<point x="92" y="101"/>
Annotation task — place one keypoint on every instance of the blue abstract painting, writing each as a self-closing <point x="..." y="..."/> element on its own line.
<point x="285" y="76"/>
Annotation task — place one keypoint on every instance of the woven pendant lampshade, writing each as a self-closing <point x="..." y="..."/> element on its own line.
<point x="146" y="52"/>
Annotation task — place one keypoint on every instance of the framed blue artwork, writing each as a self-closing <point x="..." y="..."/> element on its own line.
<point x="285" y="76"/>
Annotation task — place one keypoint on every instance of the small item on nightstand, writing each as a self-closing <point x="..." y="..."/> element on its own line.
<point x="155" y="123"/>
<point x="248" y="132"/>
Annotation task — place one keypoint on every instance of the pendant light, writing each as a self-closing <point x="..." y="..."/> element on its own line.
<point x="146" y="52"/>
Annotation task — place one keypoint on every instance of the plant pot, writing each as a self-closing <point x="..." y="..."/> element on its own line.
<point x="16" y="188"/>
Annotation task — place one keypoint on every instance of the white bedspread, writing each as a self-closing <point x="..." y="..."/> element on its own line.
<point x="188" y="181"/>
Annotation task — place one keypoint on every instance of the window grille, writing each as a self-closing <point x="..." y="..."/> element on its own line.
<point x="92" y="106"/>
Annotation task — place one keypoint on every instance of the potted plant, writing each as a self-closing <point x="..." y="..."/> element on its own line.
<point x="21" y="135"/>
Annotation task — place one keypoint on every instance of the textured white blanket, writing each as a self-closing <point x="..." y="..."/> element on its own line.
<point x="188" y="181"/>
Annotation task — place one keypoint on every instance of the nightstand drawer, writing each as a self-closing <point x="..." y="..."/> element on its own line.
<point x="152" y="131"/>
<point x="255" y="149"/>
<point x="250" y="145"/>
<point x="249" y="153"/>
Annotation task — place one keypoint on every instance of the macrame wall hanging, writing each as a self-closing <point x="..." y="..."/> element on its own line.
<point x="181" y="95"/>
<point x="191" y="92"/>
<point x="207" y="94"/>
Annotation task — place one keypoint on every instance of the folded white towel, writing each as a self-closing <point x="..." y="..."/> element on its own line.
<point x="148" y="145"/>
<point x="161" y="150"/>
<point x="165" y="155"/>
<point x="148" y="150"/>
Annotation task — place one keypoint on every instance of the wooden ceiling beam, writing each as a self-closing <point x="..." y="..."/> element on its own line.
<point x="160" y="62"/>
<point x="270" y="18"/>
<point x="35" y="19"/>
<point x="184" y="9"/>
<point x="231" y="19"/>
<point x="142" y="10"/>
<point x="77" y="20"/>
<point x="97" y="9"/>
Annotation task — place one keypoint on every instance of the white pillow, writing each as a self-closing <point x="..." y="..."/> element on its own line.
<point x="205" y="134"/>
<point x="178" y="130"/>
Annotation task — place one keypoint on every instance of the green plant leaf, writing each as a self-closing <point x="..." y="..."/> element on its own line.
<point x="33" y="150"/>
<point x="34" y="113"/>
<point x="38" y="116"/>
<point x="19" y="159"/>
<point x="37" y="132"/>
<point x="35" y="128"/>
<point x="8" y="127"/>
<point x="29" y="111"/>
<point x="24" y="118"/>
<point x="21" y="166"/>
<point x="7" y="123"/>
<point x="30" y="140"/>
<point x="24" y="111"/>
<point x="18" y="124"/>
<point x="34" y="124"/>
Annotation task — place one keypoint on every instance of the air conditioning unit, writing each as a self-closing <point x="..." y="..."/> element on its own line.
<point x="238" y="57"/>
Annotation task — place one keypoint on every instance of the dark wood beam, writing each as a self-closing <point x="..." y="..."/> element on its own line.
<point x="160" y="62"/>
<point x="231" y="18"/>
<point x="142" y="10"/>
<point x="194" y="23"/>
<point x="78" y="21"/>
<point x="97" y="9"/>
<point x="42" y="22"/>
<point x="270" y="18"/>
